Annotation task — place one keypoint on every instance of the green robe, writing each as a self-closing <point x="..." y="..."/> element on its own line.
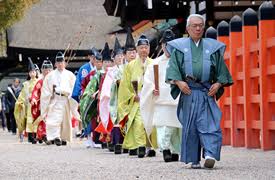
<point x="88" y="104"/>
<point x="218" y="71"/>
<point x="135" y="134"/>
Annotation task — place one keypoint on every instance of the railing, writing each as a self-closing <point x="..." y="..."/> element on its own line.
<point x="249" y="105"/>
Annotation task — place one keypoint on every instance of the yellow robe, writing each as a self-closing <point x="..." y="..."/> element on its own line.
<point x="22" y="109"/>
<point x="135" y="134"/>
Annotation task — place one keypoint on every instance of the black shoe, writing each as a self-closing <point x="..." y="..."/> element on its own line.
<point x="209" y="163"/>
<point x="151" y="153"/>
<point x="175" y="157"/>
<point x="104" y="145"/>
<point x="79" y="134"/>
<point x="30" y="137"/>
<point x="111" y="147"/>
<point x="45" y="140"/>
<point x="167" y="156"/>
<point x="49" y="142"/>
<point x="34" y="141"/>
<point x="141" y="151"/>
<point x="63" y="143"/>
<point x="118" y="149"/>
<point x="133" y="152"/>
<point x="57" y="141"/>
<point x="125" y="151"/>
<point x="82" y="135"/>
<point x="40" y="141"/>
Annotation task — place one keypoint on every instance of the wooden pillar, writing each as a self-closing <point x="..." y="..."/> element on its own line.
<point x="224" y="102"/>
<point x="251" y="79"/>
<point x="267" y="70"/>
<point x="236" y="100"/>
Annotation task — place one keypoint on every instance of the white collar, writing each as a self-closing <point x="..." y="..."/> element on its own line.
<point x="197" y="43"/>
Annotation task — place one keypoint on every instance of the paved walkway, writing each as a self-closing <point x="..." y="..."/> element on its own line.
<point x="74" y="161"/>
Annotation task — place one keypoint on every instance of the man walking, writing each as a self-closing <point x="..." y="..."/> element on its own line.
<point x="198" y="73"/>
<point x="129" y="100"/>
<point x="157" y="108"/>
<point x="58" y="107"/>
<point x="12" y="94"/>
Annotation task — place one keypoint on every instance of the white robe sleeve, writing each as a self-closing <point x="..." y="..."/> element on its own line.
<point x="147" y="100"/>
<point x="46" y="94"/>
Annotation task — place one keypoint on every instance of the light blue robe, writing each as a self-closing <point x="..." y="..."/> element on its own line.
<point x="198" y="113"/>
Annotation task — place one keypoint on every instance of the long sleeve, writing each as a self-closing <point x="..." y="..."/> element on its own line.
<point x="36" y="93"/>
<point x="125" y="94"/>
<point x="77" y="87"/>
<point x="147" y="99"/>
<point x="82" y="73"/>
<point x="88" y="104"/>
<point x="20" y="109"/>
<point x="174" y="72"/>
<point x="46" y="94"/>
<point x="9" y="98"/>
<point x="220" y="73"/>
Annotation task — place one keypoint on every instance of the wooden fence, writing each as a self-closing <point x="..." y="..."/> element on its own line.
<point x="249" y="105"/>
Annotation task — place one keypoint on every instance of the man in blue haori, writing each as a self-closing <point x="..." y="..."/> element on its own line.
<point x="83" y="71"/>
<point x="198" y="73"/>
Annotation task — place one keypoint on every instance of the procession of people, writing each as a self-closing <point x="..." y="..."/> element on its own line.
<point x="126" y="102"/>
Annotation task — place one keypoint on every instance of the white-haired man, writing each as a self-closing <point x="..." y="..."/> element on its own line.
<point x="198" y="73"/>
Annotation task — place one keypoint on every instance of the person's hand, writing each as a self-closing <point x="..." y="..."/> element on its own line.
<point x="94" y="95"/>
<point x="156" y="92"/>
<point x="214" y="89"/>
<point x="183" y="86"/>
<point x="136" y="99"/>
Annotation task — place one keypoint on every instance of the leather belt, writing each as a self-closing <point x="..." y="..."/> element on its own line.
<point x="60" y="94"/>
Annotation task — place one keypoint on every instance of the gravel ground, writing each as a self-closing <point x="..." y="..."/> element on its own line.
<point x="74" y="161"/>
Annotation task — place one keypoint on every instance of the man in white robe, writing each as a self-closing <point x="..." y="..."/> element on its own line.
<point x="58" y="107"/>
<point x="158" y="109"/>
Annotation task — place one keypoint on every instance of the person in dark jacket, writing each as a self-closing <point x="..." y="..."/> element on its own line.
<point x="12" y="94"/>
<point x="2" y="110"/>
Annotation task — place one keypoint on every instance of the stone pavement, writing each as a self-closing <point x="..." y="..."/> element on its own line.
<point x="74" y="161"/>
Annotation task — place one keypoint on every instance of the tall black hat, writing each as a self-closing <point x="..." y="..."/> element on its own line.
<point x="59" y="57"/>
<point x="143" y="40"/>
<point x="94" y="52"/>
<point x="167" y="36"/>
<point x="106" y="54"/>
<point x="31" y="66"/>
<point x="117" y="48"/>
<point x="130" y="42"/>
<point x="47" y="64"/>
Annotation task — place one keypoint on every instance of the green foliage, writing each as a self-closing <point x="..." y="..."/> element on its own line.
<point x="13" y="10"/>
<point x="3" y="44"/>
